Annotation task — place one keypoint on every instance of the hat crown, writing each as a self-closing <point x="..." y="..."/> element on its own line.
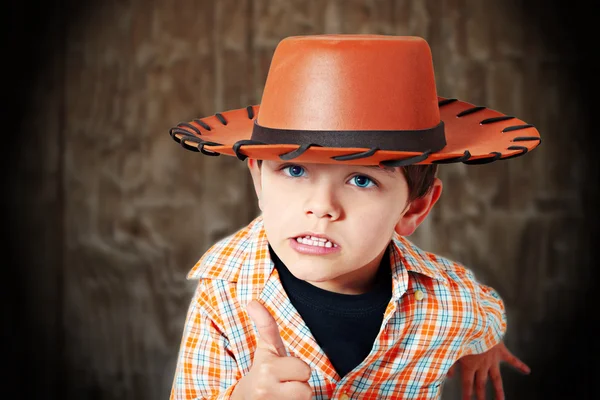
<point x="350" y="82"/>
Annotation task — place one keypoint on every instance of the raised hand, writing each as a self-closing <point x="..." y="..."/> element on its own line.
<point x="273" y="374"/>
<point x="476" y="368"/>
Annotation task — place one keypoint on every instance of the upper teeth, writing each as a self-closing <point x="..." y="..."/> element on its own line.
<point x="315" y="241"/>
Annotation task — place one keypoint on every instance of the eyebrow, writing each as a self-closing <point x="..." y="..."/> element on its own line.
<point x="389" y="170"/>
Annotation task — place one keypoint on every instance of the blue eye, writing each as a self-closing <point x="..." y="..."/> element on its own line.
<point x="294" y="171"/>
<point x="362" y="181"/>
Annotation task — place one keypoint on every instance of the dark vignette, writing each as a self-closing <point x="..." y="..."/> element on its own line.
<point x="34" y="31"/>
<point x="570" y="370"/>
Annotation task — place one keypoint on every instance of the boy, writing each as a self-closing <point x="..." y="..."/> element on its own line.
<point x="322" y="296"/>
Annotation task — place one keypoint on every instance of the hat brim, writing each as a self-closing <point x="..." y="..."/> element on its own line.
<point x="474" y="135"/>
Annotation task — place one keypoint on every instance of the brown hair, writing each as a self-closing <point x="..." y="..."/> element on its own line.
<point x="418" y="177"/>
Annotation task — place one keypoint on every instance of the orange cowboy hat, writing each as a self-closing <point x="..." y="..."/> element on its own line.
<point x="358" y="99"/>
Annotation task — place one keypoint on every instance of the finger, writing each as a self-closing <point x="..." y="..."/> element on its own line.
<point x="268" y="330"/>
<point x="451" y="371"/>
<point x="295" y="391"/>
<point x="467" y="383"/>
<point x="496" y="379"/>
<point x="515" y="362"/>
<point x="291" y="369"/>
<point x="480" y="382"/>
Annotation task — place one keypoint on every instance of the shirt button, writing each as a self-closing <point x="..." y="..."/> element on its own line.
<point x="419" y="295"/>
<point x="344" y="397"/>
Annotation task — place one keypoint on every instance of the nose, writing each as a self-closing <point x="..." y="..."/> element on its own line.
<point x="323" y="203"/>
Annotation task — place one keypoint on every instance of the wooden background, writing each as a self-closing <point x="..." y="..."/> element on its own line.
<point x="118" y="213"/>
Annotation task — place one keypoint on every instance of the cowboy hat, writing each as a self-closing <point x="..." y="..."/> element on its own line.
<point x="358" y="99"/>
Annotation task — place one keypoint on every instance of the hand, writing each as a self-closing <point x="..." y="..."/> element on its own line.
<point x="273" y="374"/>
<point x="475" y="369"/>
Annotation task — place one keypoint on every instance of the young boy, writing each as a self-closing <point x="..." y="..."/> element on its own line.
<point x="322" y="296"/>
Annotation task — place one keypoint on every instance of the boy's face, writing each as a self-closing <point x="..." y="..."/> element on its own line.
<point x="357" y="208"/>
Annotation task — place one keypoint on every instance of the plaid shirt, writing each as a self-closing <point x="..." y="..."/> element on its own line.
<point x="438" y="313"/>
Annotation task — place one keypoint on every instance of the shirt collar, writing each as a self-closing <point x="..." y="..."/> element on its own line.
<point x="406" y="255"/>
<point x="244" y="258"/>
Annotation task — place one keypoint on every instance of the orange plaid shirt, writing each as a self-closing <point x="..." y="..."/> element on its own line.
<point x="438" y="313"/>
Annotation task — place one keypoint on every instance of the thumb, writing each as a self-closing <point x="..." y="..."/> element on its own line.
<point x="268" y="331"/>
<point x="451" y="371"/>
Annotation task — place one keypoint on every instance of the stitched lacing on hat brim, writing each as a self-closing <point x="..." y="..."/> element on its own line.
<point x="465" y="158"/>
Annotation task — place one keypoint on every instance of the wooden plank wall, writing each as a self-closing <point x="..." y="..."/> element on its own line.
<point x="128" y="212"/>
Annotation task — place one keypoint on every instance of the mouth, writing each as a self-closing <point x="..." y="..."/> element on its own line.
<point x="316" y="240"/>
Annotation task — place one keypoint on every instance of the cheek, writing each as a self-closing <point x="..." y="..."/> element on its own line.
<point x="373" y="222"/>
<point x="376" y="212"/>
<point x="276" y="200"/>
<point x="371" y="232"/>
<point x="279" y="206"/>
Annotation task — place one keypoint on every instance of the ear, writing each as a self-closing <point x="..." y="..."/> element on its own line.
<point x="256" y="178"/>
<point x="418" y="210"/>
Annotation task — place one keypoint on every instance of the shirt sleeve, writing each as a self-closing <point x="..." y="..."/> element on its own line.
<point x="205" y="368"/>
<point x="492" y="313"/>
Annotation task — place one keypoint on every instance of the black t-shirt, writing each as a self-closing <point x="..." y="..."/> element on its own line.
<point x="345" y="326"/>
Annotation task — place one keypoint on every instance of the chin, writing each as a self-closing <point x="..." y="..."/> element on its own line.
<point x="311" y="273"/>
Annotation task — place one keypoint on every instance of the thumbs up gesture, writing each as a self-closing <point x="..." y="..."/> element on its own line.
<point x="273" y="374"/>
